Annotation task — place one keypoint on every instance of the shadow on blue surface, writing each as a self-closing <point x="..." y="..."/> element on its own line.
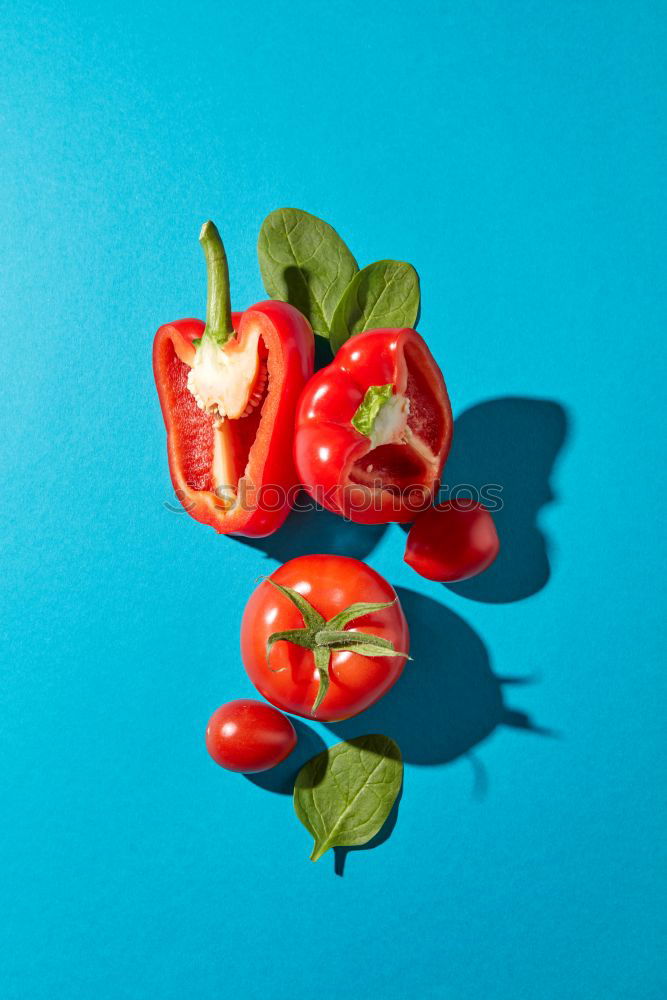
<point x="447" y="701"/>
<point x="512" y="442"/>
<point x="306" y="532"/>
<point x="281" y="778"/>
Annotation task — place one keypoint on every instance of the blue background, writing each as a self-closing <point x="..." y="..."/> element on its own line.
<point x="512" y="152"/>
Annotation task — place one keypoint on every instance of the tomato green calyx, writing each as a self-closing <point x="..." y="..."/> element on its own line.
<point x="323" y="637"/>
<point x="218" y="302"/>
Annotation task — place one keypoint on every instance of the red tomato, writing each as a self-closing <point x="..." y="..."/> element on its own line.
<point x="453" y="541"/>
<point x="247" y="735"/>
<point x="289" y="677"/>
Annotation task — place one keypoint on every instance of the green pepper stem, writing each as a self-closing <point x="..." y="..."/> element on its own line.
<point x="218" y="303"/>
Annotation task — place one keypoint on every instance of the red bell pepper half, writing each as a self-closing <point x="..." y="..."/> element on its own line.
<point x="374" y="429"/>
<point x="228" y="391"/>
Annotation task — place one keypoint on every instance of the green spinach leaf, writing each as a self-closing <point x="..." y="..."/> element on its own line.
<point x="384" y="294"/>
<point x="344" y="795"/>
<point x="304" y="261"/>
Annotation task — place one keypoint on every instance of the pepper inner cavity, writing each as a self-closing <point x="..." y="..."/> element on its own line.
<point x="229" y="385"/>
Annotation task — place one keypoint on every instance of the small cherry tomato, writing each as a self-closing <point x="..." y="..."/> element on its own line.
<point x="247" y="735"/>
<point x="452" y="541"/>
<point x="324" y="637"/>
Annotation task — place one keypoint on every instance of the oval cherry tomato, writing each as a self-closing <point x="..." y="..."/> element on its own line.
<point x="289" y="676"/>
<point x="247" y="735"/>
<point x="452" y="541"/>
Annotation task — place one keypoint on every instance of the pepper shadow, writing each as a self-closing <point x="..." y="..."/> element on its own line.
<point x="448" y="699"/>
<point x="281" y="779"/>
<point x="310" y="529"/>
<point x="512" y="443"/>
<point x="323" y="353"/>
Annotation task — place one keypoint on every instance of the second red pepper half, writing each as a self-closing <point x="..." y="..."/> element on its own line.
<point x="374" y="429"/>
<point x="228" y="392"/>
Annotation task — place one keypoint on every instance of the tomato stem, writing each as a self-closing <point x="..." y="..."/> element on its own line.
<point x="323" y="638"/>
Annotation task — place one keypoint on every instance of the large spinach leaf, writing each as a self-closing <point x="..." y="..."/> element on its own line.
<point x="304" y="261"/>
<point x="384" y="294"/>
<point x="344" y="795"/>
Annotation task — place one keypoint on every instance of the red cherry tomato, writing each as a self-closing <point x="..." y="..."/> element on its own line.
<point x="452" y="541"/>
<point x="289" y="676"/>
<point x="247" y="735"/>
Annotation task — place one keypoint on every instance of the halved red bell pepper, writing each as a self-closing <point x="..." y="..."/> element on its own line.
<point x="228" y="391"/>
<point x="374" y="428"/>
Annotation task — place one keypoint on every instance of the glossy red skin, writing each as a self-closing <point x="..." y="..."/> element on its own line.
<point x="289" y="340"/>
<point x="326" y="444"/>
<point x="452" y="541"/>
<point x="330" y="583"/>
<point x="248" y="735"/>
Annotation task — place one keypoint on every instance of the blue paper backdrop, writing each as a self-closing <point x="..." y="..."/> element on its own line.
<point x="513" y="152"/>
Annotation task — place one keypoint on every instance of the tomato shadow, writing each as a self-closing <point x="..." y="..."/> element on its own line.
<point x="448" y="699"/>
<point x="310" y="529"/>
<point x="281" y="779"/>
<point x="511" y="443"/>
